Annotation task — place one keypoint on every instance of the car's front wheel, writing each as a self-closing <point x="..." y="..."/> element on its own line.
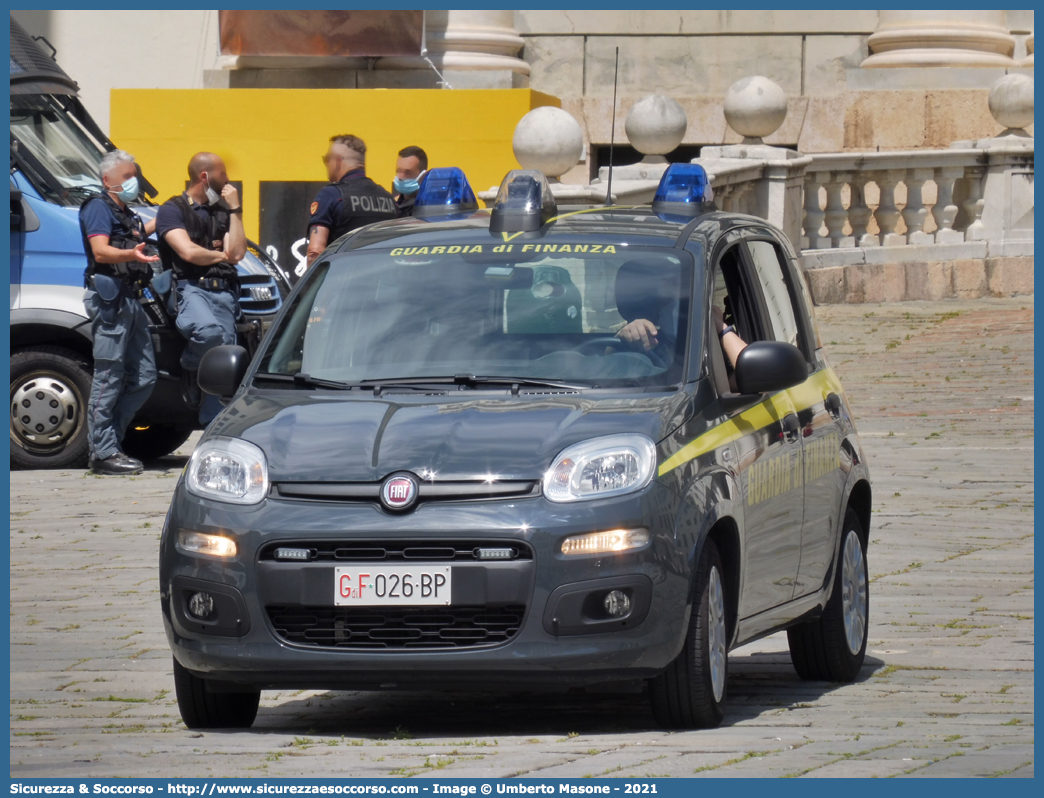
<point x="202" y="709"/>
<point x="832" y="647"/>
<point x="690" y="694"/>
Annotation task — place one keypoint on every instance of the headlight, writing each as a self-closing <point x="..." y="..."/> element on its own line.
<point x="229" y="470"/>
<point x="601" y="467"/>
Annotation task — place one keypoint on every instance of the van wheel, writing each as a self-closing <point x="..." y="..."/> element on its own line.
<point x="154" y="441"/>
<point x="201" y="709"/>
<point x="832" y="647"/>
<point x="690" y="694"/>
<point x="50" y="386"/>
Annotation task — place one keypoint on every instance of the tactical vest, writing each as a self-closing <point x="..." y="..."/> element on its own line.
<point x="130" y="234"/>
<point x="202" y="234"/>
<point x="363" y="203"/>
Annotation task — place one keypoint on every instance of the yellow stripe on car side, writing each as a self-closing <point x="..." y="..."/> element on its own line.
<point x="793" y="400"/>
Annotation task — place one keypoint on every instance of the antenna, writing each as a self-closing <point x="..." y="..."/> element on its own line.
<point x="612" y="134"/>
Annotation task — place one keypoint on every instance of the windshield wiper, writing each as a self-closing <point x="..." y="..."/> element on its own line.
<point x="306" y="380"/>
<point x="531" y="381"/>
<point x="471" y="380"/>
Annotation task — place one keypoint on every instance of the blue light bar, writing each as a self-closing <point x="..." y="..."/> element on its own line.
<point x="524" y="203"/>
<point x="684" y="190"/>
<point x="444" y="190"/>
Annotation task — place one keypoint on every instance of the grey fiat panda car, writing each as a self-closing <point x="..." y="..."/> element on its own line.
<point x="519" y="448"/>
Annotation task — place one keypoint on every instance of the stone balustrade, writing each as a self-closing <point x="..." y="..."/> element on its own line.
<point x="893" y="199"/>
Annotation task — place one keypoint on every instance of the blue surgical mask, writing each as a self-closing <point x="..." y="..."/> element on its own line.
<point x="127" y="191"/>
<point x="411" y="186"/>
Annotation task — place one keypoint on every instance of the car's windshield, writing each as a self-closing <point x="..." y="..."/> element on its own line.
<point x="466" y="310"/>
<point x="58" y="143"/>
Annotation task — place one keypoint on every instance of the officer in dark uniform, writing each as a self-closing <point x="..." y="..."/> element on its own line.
<point x="201" y="240"/>
<point x="351" y="200"/>
<point x="410" y="169"/>
<point x="117" y="268"/>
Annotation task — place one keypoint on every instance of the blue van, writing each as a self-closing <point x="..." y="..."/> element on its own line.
<point x="55" y="150"/>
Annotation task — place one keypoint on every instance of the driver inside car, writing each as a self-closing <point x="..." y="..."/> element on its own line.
<point x="645" y="297"/>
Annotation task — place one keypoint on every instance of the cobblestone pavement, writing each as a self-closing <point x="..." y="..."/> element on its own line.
<point x="943" y="393"/>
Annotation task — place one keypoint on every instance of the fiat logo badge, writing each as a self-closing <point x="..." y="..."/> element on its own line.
<point x="399" y="492"/>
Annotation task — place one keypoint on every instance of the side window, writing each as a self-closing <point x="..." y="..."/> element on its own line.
<point x="780" y="311"/>
<point x="736" y="297"/>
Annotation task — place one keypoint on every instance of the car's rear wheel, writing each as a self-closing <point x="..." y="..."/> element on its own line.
<point x="202" y="709"/>
<point x="50" y="386"/>
<point x="833" y="646"/>
<point x="691" y="692"/>
<point x="154" y="441"/>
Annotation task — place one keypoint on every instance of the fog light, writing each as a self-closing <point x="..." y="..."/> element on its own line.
<point x="617" y="603"/>
<point x="201" y="543"/>
<point x="201" y="605"/>
<point x="606" y="542"/>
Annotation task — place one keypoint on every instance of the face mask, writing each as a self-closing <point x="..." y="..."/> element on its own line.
<point x="127" y="191"/>
<point x="406" y="186"/>
<point x="212" y="196"/>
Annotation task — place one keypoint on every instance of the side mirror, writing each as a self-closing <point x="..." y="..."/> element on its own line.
<point x="222" y="370"/>
<point x="767" y="367"/>
<point x="17" y="219"/>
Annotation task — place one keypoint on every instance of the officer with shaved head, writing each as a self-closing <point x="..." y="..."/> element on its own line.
<point x="351" y="200"/>
<point x="201" y="240"/>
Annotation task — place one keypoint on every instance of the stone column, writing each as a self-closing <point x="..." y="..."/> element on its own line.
<point x="941" y="38"/>
<point x="473" y="49"/>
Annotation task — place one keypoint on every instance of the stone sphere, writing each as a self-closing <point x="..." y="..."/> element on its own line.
<point x="755" y="107"/>
<point x="656" y="125"/>
<point x="548" y="139"/>
<point x="1011" y="101"/>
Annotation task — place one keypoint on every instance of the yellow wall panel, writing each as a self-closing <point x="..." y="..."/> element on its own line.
<point x="280" y="134"/>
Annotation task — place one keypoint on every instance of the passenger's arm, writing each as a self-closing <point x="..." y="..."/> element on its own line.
<point x="317" y="238"/>
<point x="178" y="240"/>
<point x="731" y="343"/>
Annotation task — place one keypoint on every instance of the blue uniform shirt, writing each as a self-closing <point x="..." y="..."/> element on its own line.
<point x="327" y="204"/>
<point x="169" y="218"/>
<point x="99" y="220"/>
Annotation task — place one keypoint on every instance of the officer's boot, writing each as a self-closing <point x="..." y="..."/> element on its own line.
<point x="118" y="464"/>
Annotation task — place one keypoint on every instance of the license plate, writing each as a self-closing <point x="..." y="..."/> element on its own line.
<point x="391" y="585"/>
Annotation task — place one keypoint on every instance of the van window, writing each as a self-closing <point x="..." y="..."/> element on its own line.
<point x="45" y="129"/>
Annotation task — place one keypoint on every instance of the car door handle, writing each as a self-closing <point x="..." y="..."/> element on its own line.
<point x="791" y="427"/>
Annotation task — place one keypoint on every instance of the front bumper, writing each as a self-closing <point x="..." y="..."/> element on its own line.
<point x="547" y="605"/>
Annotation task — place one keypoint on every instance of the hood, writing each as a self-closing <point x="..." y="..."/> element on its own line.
<point x="316" y="438"/>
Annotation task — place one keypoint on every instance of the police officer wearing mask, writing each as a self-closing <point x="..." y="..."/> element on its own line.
<point x="351" y="200"/>
<point x="201" y="240"/>
<point x="409" y="171"/>
<point x="117" y="267"/>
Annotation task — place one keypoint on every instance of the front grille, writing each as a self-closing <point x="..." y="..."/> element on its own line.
<point x="259" y="293"/>
<point x="386" y="628"/>
<point x="399" y="550"/>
